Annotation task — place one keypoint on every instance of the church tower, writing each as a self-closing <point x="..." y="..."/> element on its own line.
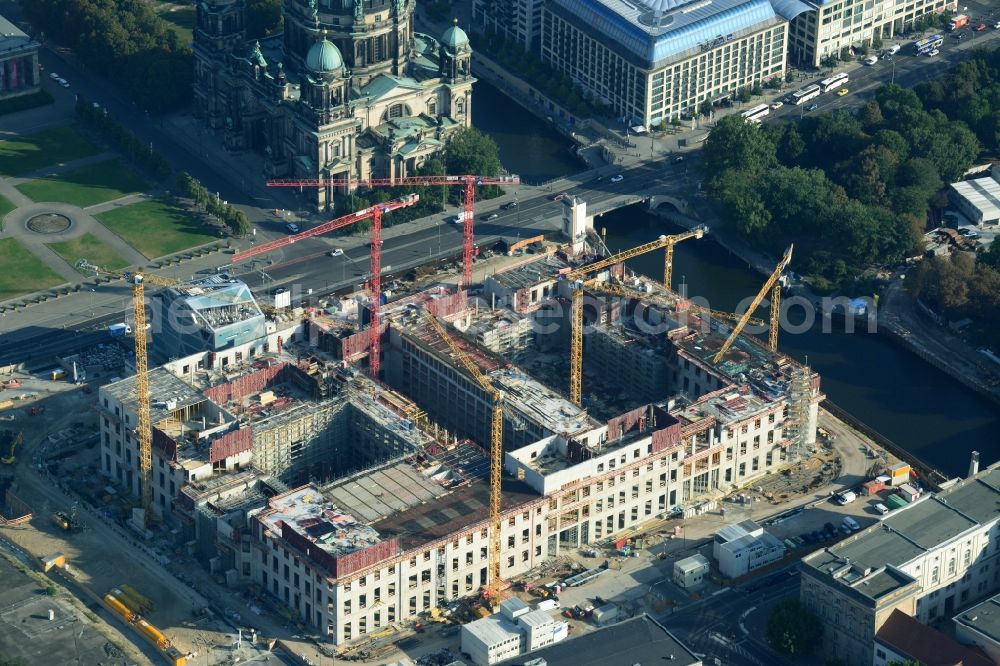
<point x="219" y="30"/>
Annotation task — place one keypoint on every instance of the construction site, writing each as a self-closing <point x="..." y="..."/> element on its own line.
<point x="356" y="465"/>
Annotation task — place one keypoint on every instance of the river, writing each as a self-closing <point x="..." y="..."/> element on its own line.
<point x="912" y="403"/>
<point x="528" y="145"/>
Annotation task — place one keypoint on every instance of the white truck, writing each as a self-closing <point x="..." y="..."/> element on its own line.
<point x="846" y="497"/>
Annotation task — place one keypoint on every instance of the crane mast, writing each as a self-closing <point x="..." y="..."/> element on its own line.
<point x="468" y="182"/>
<point x="494" y="582"/>
<point x="774" y="287"/>
<point x="577" y="288"/>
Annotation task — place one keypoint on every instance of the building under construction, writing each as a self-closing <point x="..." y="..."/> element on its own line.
<point x="357" y="504"/>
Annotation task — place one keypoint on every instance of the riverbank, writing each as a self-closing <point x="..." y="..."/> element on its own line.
<point x="897" y="320"/>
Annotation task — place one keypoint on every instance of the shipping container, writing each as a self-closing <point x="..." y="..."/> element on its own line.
<point x="56" y="559"/>
<point x="872" y="487"/>
<point x="126" y="600"/>
<point x="895" y="502"/>
<point x="605" y="614"/>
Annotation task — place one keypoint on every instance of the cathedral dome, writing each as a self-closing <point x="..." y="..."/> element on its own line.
<point x="324" y="56"/>
<point x="454" y="37"/>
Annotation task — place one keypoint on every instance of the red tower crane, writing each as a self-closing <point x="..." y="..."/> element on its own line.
<point x="468" y="182"/>
<point x="375" y="214"/>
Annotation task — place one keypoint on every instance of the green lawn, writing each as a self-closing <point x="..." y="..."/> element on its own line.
<point x="5" y="206"/>
<point x="181" y="18"/>
<point x="86" y="186"/>
<point x="155" y="228"/>
<point x="91" y="248"/>
<point x="33" y="151"/>
<point x="22" y="272"/>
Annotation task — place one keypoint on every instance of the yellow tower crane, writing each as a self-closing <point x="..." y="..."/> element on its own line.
<point x="628" y="292"/>
<point x="774" y="287"/>
<point x="494" y="582"/>
<point x="144" y="429"/>
<point x="576" y="315"/>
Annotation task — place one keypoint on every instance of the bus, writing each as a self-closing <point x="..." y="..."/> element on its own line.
<point x="835" y="81"/>
<point x="928" y="44"/>
<point x="756" y="113"/>
<point x="805" y="94"/>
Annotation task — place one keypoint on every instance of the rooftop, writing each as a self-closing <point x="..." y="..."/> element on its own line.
<point x="542" y="269"/>
<point x="168" y="394"/>
<point x="492" y="630"/>
<point x="984" y="618"/>
<point x="639" y="640"/>
<point x="541" y="404"/>
<point x="313" y="516"/>
<point x="908" y="532"/>
<point x="217" y="301"/>
<point x="13" y="38"/>
<point x="926" y="645"/>
<point x="981" y="193"/>
<point x="656" y="30"/>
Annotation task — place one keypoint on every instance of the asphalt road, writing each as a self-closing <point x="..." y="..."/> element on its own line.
<point x="730" y="626"/>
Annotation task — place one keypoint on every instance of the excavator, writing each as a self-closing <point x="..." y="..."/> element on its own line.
<point x="12" y="457"/>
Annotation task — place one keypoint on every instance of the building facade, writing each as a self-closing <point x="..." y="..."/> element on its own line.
<point x="18" y="62"/>
<point x="831" y="25"/>
<point x="927" y="560"/>
<point x="517" y="21"/>
<point x="349" y="90"/>
<point x="654" y="61"/>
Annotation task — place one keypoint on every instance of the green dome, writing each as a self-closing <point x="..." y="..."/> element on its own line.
<point x="454" y="37"/>
<point x="324" y="56"/>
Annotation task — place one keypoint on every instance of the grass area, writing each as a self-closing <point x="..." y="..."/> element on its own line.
<point x="182" y="19"/>
<point x="91" y="248"/>
<point x="86" y="186"/>
<point x="155" y="228"/>
<point x="5" y="206"/>
<point x="23" y="102"/>
<point x="22" y="271"/>
<point x="33" y="151"/>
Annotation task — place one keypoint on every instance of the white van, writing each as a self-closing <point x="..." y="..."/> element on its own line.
<point x="851" y="524"/>
<point x="846" y="497"/>
<point x="871" y="60"/>
<point x="881" y="508"/>
<point x="894" y="49"/>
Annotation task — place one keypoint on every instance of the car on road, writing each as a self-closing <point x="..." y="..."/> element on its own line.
<point x="968" y="233"/>
<point x="339" y="252"/>
<point x="558" y="197"/>
<point x="617" y="179"/>
<point x="842" y="92"/>
<point x="509" y="205"/>
<point x="777" y="104"/>
<point x="54" y="76"/>
<point x="932" y="53"/>
<point x="894" y="49"/>
<point x="292" y="227"/>
<point x="491" y="216"/>
<point x="871" y="60"/>
<point x="961" y="35"/>
<point x="679" y="158"/>
<point x="812" y="107"/>
<point x="456" y="219"/>
<point x="996" y="26"/>
<point x="63" y="82"/>
<point x="980" y="27"/>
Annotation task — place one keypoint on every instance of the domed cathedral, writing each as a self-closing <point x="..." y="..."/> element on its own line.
<point x="349" y="90"/>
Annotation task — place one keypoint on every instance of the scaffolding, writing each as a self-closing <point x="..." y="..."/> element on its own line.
<point x="800" y="403"/>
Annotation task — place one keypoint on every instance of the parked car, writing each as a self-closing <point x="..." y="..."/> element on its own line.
<point x="842" y="92"/>
<point x="679" y="158"/>
<point x="54" y="76"/>
<point x="339" y="252"/>
<point x="292" y="227"/>
<point x="871" y="60"/>
<point x="777" y="104"/>
<point x="617" y="178"/>
<point x="64" y="83"/>
<point x="882" y="509"/>
<point x="812" y="107"/>
<point x="509" y="205"/>
<point x="455" y="219"/>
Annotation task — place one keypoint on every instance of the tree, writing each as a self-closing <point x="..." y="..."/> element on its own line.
<point x="705" y="108"/>
<point x="871" y="115"/>
<point x="792" y="628"/>
<point x="757" y="89"/>
<point x="790" y="145"/>
<point x="877" y="43"/>
<point x="845" y="53"/>
<point x="737" y="144"/>
<point x="471" y="152"/>
<point x="773" y="83"/>
<point x="263" y="17"/>
<point x="743" y="94"/>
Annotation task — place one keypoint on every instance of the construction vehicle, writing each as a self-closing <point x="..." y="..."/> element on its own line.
<point x="143" y="602"/>
<point x="469" y="184"/>
<point x="577" y="285"/>
<point x="773" y="285"/>
<point x="494" y="583"/>
<point x="65" y="521"/>
<point x="173" y="656"/>
<point x="12" y="456"/>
